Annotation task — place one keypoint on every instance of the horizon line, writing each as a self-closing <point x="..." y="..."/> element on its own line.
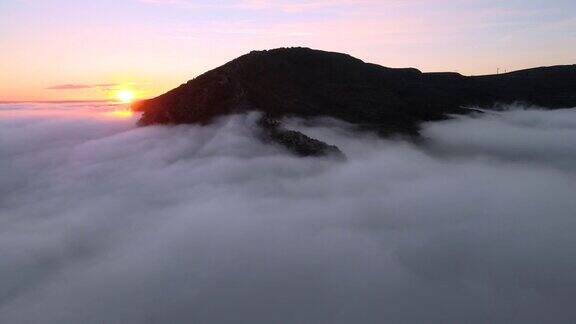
<point x="58" y="101"/>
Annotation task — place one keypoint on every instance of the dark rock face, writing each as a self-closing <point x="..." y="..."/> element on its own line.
<point x="304" y="82"/>
<point x="296" y="142"/>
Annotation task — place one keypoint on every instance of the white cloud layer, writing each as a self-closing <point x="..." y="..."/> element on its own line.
<point x="102" y="222"/>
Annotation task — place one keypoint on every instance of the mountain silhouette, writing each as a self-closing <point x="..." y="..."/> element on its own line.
<point x="304" y="82"/>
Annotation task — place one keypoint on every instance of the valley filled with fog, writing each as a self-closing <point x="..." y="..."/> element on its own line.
<point x="105" y="222"/>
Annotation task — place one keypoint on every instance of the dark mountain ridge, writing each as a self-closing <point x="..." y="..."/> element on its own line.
<point x="304" y="82"/>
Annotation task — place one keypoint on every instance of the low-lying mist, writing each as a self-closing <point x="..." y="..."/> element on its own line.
<point x="104" y="222"/>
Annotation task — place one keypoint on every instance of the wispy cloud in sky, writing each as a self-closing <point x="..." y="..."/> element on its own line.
<point x="72" y="86"/>
<point x="286" y="6"/>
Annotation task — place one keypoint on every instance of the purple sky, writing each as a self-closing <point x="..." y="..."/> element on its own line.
<point x="60" y="49"/>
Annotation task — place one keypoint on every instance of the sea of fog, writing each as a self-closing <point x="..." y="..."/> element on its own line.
<point x="105" y="222"/>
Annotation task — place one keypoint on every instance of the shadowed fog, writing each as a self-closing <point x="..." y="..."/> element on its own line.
<point x="103" y="222"/>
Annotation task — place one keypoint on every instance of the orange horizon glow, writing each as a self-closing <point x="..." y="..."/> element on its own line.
<point x="107" y="112"/>
<point x="121" y="113"/>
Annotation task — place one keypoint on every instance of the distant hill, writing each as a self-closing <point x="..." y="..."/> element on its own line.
<point x="305" y="82"/>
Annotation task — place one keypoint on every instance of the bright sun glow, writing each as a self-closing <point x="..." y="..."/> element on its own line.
<point x="125" y="96"/>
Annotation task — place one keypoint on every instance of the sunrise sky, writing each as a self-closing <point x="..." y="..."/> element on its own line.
<point x="81" y="50"/>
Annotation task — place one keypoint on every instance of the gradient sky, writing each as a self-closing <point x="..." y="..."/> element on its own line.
<point x="79" y="50"/>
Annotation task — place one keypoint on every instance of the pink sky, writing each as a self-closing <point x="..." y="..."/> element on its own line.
<point x="78" y="50"/>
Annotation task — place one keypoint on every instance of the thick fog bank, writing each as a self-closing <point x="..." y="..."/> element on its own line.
<point x="103" y="222"/>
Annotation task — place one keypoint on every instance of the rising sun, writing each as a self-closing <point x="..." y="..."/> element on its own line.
<point x="125" y="96"/>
